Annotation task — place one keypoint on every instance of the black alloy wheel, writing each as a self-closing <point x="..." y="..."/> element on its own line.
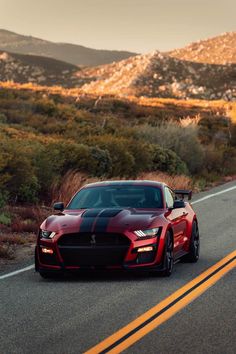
<point x="168" y="261"/>
<point x="194" y="247"/>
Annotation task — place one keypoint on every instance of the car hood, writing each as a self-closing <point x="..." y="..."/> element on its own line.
<point x="102" y="220"/>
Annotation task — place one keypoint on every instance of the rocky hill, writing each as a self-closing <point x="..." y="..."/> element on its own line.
<point x="204" y="70"/>
<point x="159" y="75"/>
<point x="217" y="50"/>
<point x="70" y="53"/>
<point x="38" y="70"/>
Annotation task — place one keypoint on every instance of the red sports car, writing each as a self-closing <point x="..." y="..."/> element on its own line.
<point x="119" y="225"/>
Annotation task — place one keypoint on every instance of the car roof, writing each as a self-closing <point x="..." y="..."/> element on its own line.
<point x="126" y="183"/>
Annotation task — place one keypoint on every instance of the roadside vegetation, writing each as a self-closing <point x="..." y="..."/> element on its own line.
<point x="52" y="141"/>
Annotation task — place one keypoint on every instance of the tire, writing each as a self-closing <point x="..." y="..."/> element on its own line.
<point x="194" y="247"/>
<point x="45" y="275"/>
<point x="49" y="275"/>
<point x="168" y="260"/>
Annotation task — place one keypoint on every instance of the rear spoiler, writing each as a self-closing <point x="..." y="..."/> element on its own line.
<point x="183" y="193"/>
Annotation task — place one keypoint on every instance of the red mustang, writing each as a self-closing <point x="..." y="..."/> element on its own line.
<point x="119" y="225"/>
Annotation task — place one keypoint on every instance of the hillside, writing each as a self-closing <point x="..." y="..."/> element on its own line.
<point x="38" y="70"/>
<point x="216" y="50"/>
<point x="70" y="53"/>
<point x="159" y="75"/>
<point x="44" y="135"/>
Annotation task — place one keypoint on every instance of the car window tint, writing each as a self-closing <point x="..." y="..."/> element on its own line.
<point x="117" y="196"/>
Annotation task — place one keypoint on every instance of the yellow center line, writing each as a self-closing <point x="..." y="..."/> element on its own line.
<point x="161" y="312"/>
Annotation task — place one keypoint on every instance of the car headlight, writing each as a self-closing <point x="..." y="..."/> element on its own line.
<point x="47" y="234"/>
<point x="147" y="233"/>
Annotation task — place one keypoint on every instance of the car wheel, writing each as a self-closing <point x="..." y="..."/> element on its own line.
<point x="45" y="275"/>
<point x="168" y="261"/>
<point x="49" y="275"/>
<point x="194" y="248"/>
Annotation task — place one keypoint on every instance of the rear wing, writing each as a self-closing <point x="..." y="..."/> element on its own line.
<point x="183" y="192"/>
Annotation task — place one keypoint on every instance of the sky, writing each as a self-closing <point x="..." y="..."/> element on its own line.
<point x="135" y="25"/>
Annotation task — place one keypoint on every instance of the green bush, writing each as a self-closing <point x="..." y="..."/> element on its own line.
<point x="167" y="161"/>
<point x="3" y="199"/>
<point x="5" y="219"/>
<point x="122" y="160"/>
<point x="183" y="141"/>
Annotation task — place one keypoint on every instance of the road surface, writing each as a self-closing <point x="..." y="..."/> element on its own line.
<point x="75" y="314"/>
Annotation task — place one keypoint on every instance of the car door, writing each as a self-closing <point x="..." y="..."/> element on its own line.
<point x="177" y="217"/>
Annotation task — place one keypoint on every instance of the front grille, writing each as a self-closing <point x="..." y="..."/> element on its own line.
<point x="89" y="238"/>
<point x="88" y="249"/>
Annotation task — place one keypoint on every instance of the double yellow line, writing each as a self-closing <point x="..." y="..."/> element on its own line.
<point x="160" y="313"/>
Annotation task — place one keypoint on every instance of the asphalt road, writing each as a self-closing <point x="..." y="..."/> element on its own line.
<point x="74" y="314"/>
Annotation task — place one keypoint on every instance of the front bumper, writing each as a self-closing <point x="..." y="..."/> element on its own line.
<point x="122" y="255"/>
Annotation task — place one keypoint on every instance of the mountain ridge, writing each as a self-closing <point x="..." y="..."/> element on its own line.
<point x="179" y="74"/>
<point x="159" y="75"/>
<point x="23" y="68"/>
<point x="219" y="49"/>
<point x="72" y="53"/>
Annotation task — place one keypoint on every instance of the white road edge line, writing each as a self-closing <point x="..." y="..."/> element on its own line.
<point x="213" y="195"/>
<point x="16" y="272"/>
<point x="4" y="276"/>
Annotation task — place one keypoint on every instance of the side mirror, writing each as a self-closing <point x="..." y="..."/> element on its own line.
<point x="178" y="204"/>
<point x="58" y="206"/>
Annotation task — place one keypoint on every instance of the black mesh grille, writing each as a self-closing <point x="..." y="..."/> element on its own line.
<point x="88" y="238"/>
<point x="88" y="249"/>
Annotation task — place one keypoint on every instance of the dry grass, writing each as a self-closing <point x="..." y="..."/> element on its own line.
<point x="75" y="180"/>
<point x="71" y="182"/>
<point x="11" y="243"/>
<point x="216" y="106"/>
<point x="175" y="182"/>
<point x="26" y="219"/>
<point x="17" y="239"/>
<point x="32" y="213"/>
<point x="7" y="251"/>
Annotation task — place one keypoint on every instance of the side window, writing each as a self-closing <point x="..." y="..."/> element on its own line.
<point x="169" y="198"/>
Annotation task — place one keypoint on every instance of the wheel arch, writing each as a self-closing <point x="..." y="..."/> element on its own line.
<point x="169" y="229"/>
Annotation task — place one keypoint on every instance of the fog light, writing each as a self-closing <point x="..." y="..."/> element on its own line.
<point x="47" y="250"/>
<point x="145" y="249"/>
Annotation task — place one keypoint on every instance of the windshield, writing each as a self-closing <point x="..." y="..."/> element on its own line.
<point x="117" y="197"/>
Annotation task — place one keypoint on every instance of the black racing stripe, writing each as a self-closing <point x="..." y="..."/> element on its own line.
<point x="101" y="224"/>
<point x="156" y="315"/>
<point x="86" y="225"/>
<point x="104" y="218"/>
<point x="88" y="218"/>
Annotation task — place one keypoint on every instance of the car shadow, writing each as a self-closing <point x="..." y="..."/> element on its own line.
<point x="104" y="276"/>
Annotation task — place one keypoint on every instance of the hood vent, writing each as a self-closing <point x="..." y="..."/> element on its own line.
<point x="101" y="213"/>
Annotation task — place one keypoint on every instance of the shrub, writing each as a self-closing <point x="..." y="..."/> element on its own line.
<point x="122" y="160"/>
<point x="167" y="161"/>
<point x="17" y="172"/>
<point x="5" y="219"/>
<point x="3" y="118"/>
<point x="102" y="163"/>
<point x="215" y="129"/>
<point x="181" y="140"/>
<point x="3" y="199"/>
